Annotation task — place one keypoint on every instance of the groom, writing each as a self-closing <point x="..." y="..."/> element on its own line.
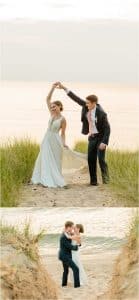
<point x="96" y="125"/>
<point x="65" y="255"/>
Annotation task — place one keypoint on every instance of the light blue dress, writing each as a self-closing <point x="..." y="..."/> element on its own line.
<point x="53" y="157"/>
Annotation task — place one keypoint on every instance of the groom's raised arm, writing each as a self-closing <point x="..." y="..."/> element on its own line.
<point x="73" y="96"/>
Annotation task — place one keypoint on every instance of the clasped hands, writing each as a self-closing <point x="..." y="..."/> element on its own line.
<point x="58" y="85"/>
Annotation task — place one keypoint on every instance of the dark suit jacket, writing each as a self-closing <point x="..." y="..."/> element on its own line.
<point x="65" y="248"/>
<point x="102" y="123"/>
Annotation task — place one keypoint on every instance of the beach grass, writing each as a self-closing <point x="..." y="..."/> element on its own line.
<point x="17" y="160"/>
<point x="23" y="239"/>
<point x="124" y="283"/>
<point x="123" y="168"/>
<point x="133" y="235"/>
<point x="23" y="275"/>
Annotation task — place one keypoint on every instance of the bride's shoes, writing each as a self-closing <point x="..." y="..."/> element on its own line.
<point x="44" y="186"/>
<point x="66" y="187"/>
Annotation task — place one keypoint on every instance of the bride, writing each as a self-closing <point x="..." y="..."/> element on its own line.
<point x="76" y="240"/>
<point x="48" y="166"/>
<point x="54" y="154"/>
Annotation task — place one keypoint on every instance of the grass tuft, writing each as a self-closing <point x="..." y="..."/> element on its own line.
<point x="123" y="168"/>
<point x="23" y="240"/>
<point x="17" y="161"/>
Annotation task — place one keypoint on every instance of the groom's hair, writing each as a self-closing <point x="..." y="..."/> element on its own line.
<point x="80" y="227"/>
<point x="92" y="98"/>
<point x="69" y="224"/>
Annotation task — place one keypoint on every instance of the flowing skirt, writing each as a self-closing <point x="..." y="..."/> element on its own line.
<point x="82" y="274"/>
<point x="53" y="159"/>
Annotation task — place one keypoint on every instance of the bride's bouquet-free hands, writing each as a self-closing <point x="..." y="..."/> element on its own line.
<point x="56" y="84"/>
<point x="59" y="85"/>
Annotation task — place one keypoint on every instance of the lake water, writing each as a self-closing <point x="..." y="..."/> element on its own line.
<point x="105" y="228"/>
<point x="24" y="112"/>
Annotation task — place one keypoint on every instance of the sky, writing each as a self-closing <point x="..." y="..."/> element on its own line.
<point x="70" y="40"/>
<point x="69" y="9"/>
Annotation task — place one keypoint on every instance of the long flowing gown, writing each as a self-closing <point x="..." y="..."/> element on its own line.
<point x="77" y="260"/>
<point x="53" y="157"/>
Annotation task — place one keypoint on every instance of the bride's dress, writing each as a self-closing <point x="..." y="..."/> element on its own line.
<point x="77" y="260"/>
<point x="53" y="157"/>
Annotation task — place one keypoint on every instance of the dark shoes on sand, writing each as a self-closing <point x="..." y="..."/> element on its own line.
<point x="105" y="181"/>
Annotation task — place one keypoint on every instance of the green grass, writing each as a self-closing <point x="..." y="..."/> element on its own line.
<point x="133" y="235"/>
<point x="17" y="161"/>
<point x="123" y="168"/>
<point x="81" y="146"/>
<point x="124" y="283"/>
<point x="22" y="240"/>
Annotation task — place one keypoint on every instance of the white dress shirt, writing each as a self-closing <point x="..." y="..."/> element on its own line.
<point x="93" y="118"/>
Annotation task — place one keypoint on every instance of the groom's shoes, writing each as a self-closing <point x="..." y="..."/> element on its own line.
<point x="64" y="285"/>
<point x="94" y="183"/>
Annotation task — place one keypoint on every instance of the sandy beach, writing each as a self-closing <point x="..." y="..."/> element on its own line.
<point x="99" y="268"/>
<point x="77" y="194"/>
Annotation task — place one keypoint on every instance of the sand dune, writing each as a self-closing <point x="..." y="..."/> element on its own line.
<point x="22" y="278"/>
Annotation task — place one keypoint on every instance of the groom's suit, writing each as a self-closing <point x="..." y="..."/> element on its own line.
<point x="103" y="128"/>
<point x="65" y="255"/>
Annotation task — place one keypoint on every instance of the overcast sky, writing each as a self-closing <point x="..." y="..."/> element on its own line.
<point x="70" y="40"/>
<point x="69" y="9"/>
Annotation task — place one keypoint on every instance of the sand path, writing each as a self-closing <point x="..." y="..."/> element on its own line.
<point x="78" y="194"/>
<point x="99" y="269"/>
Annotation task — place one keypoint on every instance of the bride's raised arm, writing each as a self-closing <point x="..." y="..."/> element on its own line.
<point x="49" y="96"/>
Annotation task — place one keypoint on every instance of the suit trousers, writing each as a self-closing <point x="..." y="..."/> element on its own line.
<point x="70" y="264"/>
<point x="93" y="153"/>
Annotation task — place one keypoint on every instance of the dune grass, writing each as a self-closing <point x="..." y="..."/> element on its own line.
<point x="23" y="239"/>
<point x="124" y="283"/>
<point x="123" y="168"/>
<point x="133" y="235"/>
<point x="23" y="275"/>
<point x="17" y="161"/>
<point x="18" y="158"/>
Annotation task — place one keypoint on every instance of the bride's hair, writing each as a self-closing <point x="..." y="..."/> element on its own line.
<point x="80" y="227"/>
<point x="58" y="103"/>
